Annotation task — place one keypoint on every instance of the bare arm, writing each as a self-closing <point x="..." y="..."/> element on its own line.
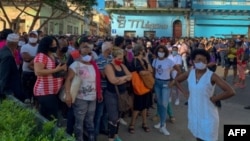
<point x="40" y="69"/>
<point x="110" y="74"/>
<point x="67" y="85"/>
<point x="177" y="82"/>
<point x="227" y="89"/>
<point x="27" y="57"/>
<point x="127" y="72"/>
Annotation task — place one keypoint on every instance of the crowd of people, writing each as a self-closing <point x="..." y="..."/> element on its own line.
<point x="36" y="68"/>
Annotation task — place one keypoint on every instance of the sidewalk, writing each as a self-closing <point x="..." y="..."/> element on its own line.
<point x="229" y="114"/>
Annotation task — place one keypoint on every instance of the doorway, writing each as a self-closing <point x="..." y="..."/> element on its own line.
<point x="130" y="34"/>
<point x="177" y="29"/>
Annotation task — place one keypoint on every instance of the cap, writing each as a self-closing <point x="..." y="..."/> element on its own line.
<point x="12" y="37"/>
<point x="33" y="32"/>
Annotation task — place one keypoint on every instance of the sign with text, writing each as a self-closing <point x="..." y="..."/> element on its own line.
<point x="236" y="132"/>
<point x="139" y="23"/>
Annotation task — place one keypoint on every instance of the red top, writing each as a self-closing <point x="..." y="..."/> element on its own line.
<point x="240" y="53"/>
<point x="46" y="85"/>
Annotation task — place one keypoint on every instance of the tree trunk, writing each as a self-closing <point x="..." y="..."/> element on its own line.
<point x="5" y="16"/>
<point x="36" y="17"/>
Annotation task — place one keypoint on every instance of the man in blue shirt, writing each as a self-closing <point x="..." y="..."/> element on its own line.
<point x="100" y="119"/>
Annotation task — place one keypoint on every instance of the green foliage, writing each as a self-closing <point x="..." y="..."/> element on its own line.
<point x="20" y="124"/>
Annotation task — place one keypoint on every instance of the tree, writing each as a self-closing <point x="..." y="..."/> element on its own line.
<point x="60" y="9"/>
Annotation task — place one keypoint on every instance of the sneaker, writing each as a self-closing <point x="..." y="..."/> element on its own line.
<point x="123" y="122"/>
<point x="177" y="101"/>
<point x="157" y="126"/>
<point x="164" y="131"/>
<point x="117" y="138"/>
<point x="237" y="84"/>
<point x="27" y="101"/>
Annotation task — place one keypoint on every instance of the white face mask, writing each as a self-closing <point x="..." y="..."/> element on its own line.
<point x="200" y="66"/>
<point x="161" y="54"/>
<point x="21" y="43"/>
<point x="33" y="40"/>
<point x="86" y="58"/>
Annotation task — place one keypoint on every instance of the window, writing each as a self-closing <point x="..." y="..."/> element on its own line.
<point x="69" y="29"/>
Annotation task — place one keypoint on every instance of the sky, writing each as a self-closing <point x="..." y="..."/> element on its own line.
<point x="101" y="6"/>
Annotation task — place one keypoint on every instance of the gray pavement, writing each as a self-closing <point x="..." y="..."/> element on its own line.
<point x="232" y="112"/>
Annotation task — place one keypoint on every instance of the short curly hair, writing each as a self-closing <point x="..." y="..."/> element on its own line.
<point x="202" y="52"/>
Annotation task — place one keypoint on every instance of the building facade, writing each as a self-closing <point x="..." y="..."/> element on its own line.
<point x="220" y="18"/>
<point x="73" y="24"/>
<point x="149" y="18"/>
<point x="180" y="18"/>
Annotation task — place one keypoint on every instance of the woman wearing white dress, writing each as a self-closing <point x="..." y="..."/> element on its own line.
<point x="203" y="117"/>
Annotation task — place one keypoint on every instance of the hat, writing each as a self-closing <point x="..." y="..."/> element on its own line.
<point x="33" y="32"/>
<point x="12" y="37"/>
<point x="106" y="45"/>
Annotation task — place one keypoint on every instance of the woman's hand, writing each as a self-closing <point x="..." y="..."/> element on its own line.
<point x="61" y="67"/>
<point x="68" y="100"/>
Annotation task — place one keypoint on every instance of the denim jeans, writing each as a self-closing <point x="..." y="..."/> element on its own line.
<point x="184" y="62"/>
<point x="84" y="112"/>
<point x="101" y="119"/>
<point x="162" y="92"/>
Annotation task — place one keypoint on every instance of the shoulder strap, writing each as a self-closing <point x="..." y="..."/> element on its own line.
<point x="116" y="87"/>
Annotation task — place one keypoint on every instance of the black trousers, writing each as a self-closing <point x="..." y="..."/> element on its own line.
<point x="28" y="82"/>
<point x="48" y="106"/>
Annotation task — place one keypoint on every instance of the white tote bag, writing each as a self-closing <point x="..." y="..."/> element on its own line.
<point x="76" y="83"/>
<point x="75" y="86"/>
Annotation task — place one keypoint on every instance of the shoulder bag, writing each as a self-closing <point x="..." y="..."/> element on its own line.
<point x="75" y="86"/>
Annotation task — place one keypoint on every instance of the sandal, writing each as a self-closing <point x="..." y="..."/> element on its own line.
<point x="172" y="119"/>
<point x="131" y="129"/>
<point x="145" y="128"/>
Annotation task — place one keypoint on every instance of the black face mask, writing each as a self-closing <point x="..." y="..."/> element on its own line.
<point x="53" y="49"/>
<point x="64" y="49"/>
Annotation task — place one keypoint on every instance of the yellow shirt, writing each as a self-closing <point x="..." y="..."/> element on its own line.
<point x="232" y="53"/>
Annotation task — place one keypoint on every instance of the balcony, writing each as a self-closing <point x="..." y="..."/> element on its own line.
<point x="148" y="5"/>
<point x="221" y="4"/>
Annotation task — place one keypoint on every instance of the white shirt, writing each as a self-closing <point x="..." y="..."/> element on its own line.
<point x="177" y="61"/>
<point x="87" y="89"/>
<point x="32" y="51"/>
<point x="163" y="68"/>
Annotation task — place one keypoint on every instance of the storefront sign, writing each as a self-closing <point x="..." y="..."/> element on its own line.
<point x="144" y="24"/>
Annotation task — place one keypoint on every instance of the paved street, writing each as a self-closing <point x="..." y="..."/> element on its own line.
<point x="232" y="112"/>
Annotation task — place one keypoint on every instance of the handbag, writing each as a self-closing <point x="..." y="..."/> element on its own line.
<point x="138" y="84"/>
<point x="75" y="86"/>
<point x="124" y="100"/>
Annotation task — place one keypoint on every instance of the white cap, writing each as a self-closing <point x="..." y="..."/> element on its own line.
<point x="106" y="45"/>
<point x="33" y="32"/>
<point x="12" y="37"/>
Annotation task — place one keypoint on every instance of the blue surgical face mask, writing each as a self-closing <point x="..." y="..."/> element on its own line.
<point x="200" y="66"/>
<point x="161" y="54"/>
<point x="174" y="53"/>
